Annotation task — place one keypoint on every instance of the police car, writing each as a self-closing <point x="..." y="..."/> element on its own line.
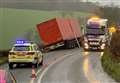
<point x="25" y="52"/>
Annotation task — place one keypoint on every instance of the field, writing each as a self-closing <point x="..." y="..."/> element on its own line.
<point x="17" y="23"/>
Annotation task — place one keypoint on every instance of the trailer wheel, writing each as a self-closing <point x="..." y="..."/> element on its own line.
<point x="73" y="44"/>
<point x="70" y="44"/>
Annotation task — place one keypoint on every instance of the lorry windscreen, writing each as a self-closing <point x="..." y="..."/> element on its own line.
<point x="95" y="31"/>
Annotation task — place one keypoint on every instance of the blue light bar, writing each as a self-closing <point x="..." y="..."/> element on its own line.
<point x="21" y="41"/>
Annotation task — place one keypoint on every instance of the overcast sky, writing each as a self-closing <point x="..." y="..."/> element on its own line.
<point x="102" y="2"/>
<point x="108" y="2"/>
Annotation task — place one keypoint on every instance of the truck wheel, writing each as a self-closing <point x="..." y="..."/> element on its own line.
<point x="10" y="65"/>
<point x="70" y="43"/>
<point x="73" y="44"/>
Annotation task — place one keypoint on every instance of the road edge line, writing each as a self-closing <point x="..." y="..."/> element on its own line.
<point x="47" y="68"/>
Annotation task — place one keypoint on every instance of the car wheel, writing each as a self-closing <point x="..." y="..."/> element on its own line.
<point x="41" y="63"/>
<point x="36" y="65"/>
<point x="10" y="65"/>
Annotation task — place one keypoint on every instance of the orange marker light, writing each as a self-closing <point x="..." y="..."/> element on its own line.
<point x="112" y="29"/>
<point x="95" y="18"/>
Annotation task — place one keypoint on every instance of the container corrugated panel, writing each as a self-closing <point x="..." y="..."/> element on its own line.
<point x="65" y="29"/>
<point x="49" y="32"/>
<point x="59" y="29"/>
<point x="74" y="24"/>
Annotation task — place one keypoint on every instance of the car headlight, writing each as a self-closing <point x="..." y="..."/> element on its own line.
<point x="86" y="44"/>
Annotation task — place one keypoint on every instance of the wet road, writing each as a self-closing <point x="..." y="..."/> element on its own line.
<point x="65" y="66"/>
<point x="78" y="67"/>
<point x="23" y="74"/>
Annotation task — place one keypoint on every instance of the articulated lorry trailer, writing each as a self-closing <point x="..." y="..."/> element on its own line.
<point x="60" y="32"/>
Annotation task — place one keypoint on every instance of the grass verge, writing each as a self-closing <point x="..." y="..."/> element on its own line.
<point x="3" y="59"/>
<point x="111" y="65"/>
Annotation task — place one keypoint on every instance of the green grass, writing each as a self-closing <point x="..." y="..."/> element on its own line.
<point x="111" y="66"/>
<point x="16" y="23"/>
<point x="3" y="59"/>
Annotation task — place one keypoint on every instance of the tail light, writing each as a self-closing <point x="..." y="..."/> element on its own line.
<point x="11" y="53"/>
<point x="30" y="53"/>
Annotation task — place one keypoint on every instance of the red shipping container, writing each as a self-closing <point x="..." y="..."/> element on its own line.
<point x="57" y="30"/>
<point x="74" y="24"/>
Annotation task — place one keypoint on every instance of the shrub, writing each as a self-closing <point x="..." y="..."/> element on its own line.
<point x="115" y="45"/>
<point x="110" y="65"/>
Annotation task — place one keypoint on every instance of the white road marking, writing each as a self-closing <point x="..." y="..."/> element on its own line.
<point x="46" y="69"/>
<point x="38" y="71"/>
<point x="32" y="81"/>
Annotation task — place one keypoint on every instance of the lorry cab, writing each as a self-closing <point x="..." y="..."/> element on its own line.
<point x="95" y="36"/>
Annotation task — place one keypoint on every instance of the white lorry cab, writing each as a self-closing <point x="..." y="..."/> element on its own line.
<point x="95" y="36"/>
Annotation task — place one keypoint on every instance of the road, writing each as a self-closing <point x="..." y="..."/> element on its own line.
<point x="65" y="66"/>
<point x="24" y="74"/>
<point x="78" y="67"/>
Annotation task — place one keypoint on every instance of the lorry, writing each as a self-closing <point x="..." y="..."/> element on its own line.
<point x="96" y="34"/>
<point x="59" y="32"/>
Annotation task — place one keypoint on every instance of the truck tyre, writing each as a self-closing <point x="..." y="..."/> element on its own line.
<point x="74" y="44"/>
<point x="10" y="65"/>
<point x="70" y="44"/>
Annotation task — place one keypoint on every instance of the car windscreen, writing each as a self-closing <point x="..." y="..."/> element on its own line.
<point x="21" y="48"/>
